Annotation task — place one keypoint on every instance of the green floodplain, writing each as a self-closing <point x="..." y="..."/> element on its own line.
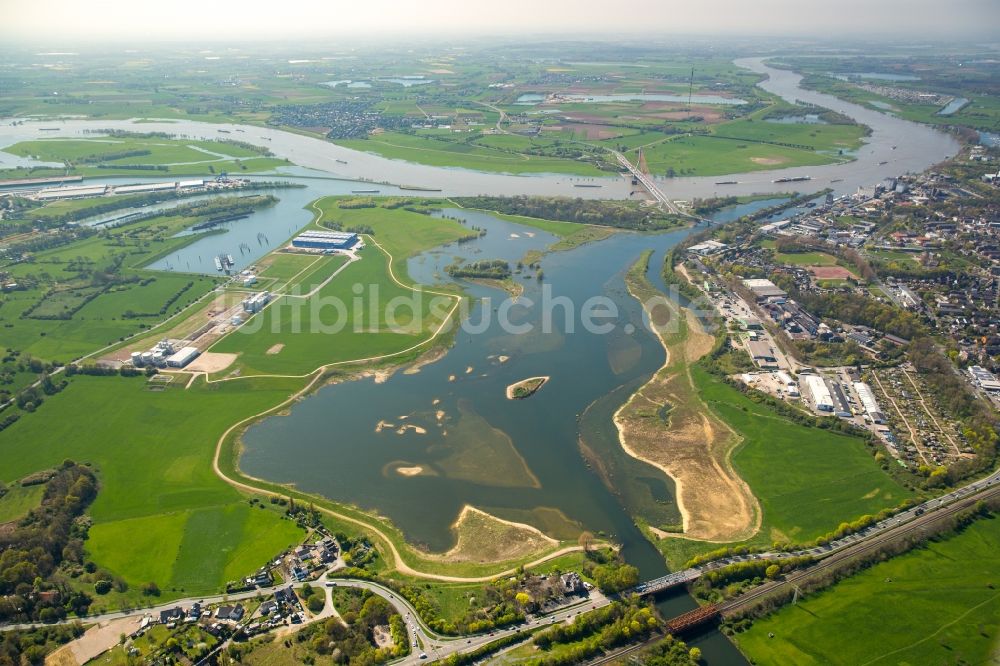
<point x="938" y="604"/>
<point x="154" y="451"/>
<point x="162" y="514"/>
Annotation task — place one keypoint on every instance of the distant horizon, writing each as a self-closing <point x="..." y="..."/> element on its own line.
<point x="187" y="21"/>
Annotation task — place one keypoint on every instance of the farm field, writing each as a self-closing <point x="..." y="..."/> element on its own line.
<point x="436" y="152"/>
<point x="153" y="455"/>
<point x="807" y="480"/>
<point x="125" y="155"/>
<point x="934" y="605"/>
<point x="714" y="156"/>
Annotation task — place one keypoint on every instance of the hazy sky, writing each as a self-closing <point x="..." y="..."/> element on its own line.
<point x="145" y="20"/>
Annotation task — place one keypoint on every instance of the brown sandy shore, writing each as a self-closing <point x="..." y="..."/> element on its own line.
<point x="691" y="446"/>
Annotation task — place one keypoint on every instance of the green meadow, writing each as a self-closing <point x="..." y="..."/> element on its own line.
<point x="807" y="480"/>
<point x="19" y="500"/>
<point x="161" y="513"/>
<point x="935" y="605"/>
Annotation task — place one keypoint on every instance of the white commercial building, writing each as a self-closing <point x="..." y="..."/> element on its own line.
<point x="869" y="402"/>
<point x="818" y="391"/>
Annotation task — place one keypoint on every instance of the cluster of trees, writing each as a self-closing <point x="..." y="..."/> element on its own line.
<point x="703" y="207"/>
<point x="354" y="644"/>
<point x="498" y="607"/>
<point x="496" y="269"/>
<point x="670" y="652"/>
<point x="860" y="310"/>
<point x="31" y="645"/>
<point x="46" y="538"/>
<point x="111" y="156"/>
<point x="584" y="211"/>
<point x="592" y="633"/>
<point x="732" y="579"/>
<point x="613" y="575"/>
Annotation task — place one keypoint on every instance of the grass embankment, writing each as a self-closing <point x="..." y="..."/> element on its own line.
<point x="146" y="156"/>
<point x="935" y="605"/>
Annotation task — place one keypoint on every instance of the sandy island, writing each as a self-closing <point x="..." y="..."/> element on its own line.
<point x="531" y="385"/>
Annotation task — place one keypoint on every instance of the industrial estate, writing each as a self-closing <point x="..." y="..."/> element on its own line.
<point x="500" y="353"/>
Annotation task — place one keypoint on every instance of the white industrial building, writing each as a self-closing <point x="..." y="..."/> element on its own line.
<point x="869" y="402"/>
<point x="256" y="302"/>
<point x="707" y="248"/>
<point x="145" y="187"/>
<point x="985" y="379"/>
<point x="791" y="388"/>
<point x="71" y="192"/>
<point x="182" y="357"/>
<point x="818" y="392"/>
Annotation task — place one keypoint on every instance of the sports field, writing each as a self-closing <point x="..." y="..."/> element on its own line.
<point x="935" y="605"/>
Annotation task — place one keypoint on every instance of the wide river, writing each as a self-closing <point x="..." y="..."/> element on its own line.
<point x="553" y="460"/>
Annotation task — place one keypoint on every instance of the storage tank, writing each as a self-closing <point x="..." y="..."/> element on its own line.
<point x="147" y="357"/>
<point x="136" y="359"/>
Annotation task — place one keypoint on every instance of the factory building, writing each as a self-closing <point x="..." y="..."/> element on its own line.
<point x="818" y="392"/>
<point x="985" y="379"/>
<point x="791" y="388"/>
<point x="256" y="302"/>
<point x="763" y="289"/>
<point x="75" y="192"/>
<point x="325" y="240"/>
<point x="869" y="402"/>
<point x="760" y="352"/>
<point x="183" y="356"/>
<point x="145" y="187"/>
<point x="707" y="248"/>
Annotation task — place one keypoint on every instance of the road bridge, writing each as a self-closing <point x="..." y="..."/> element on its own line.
<point x="648" y="182"/>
